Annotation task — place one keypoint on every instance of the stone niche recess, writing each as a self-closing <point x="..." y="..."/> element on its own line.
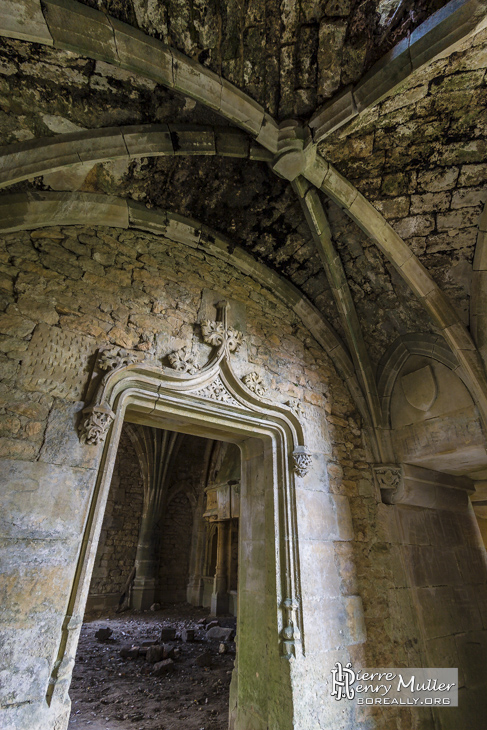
<point x="360" y="588"/>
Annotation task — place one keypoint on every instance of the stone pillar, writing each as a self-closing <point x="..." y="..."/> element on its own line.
<point x="194" y="591"/>
<point x="146" y="559"/>
<point x="156" y="450"/>
<point x="219" y="598"/>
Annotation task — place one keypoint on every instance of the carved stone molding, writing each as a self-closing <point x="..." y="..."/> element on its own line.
<point x="218" y="391"/>
<point x="389" y="479"/>
<point x="302" y="461"/>
<point x="115" y="357"/>
<point x="95" y="424"/>
<point x="183" y="360"/>
<point x="255" y="383"/>
<point x="290" y="634"/>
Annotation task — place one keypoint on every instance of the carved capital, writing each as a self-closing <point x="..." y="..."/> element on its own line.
<point x="389" y="479"/>
<point x="183" y="361"/>
<point x="302" y="461"/>
<point x="115" y="357"/>
<point x="95" y="424"/>
<point x="255" y="383"/>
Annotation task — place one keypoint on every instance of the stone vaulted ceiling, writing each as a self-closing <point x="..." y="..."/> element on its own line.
<point x="394" y="93"/>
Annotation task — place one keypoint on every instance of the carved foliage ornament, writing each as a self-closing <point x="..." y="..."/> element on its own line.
<point x="217" y="335"/>
<point x="302" y="461"/>
<point x="183" y="361"/>
<point x="255" y="383"/>
<point x="217" y="391"/>
<point x="95" y="424"/>
<point x="115" y="357"/>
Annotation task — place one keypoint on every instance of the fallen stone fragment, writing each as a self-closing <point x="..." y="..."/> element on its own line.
<point x="187" y="635"/>
<point x="223" y="648"/>
<point x="211" y="624"/>
<point x="103" y="634"/>
<point x="155" y="607"/>
<point x="220" y="633"/>
<point x="129" y="652"/>
<point x="167" y="665"/>
<point x="168" y="635"/>
<point x="154" y="654"/>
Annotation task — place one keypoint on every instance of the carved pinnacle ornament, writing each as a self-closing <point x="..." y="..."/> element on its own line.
<point x="216" y="335"/>
<point x="219" y="334"/>
<point x="302" y="461"/>
<point x="95" y="424"/>
<point x="183" y="361"/>
<point x="255" y="383"/>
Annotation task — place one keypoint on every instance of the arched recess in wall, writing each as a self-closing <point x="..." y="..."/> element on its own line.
<point x="429" y="415"/>
<point x="25" y="211"/>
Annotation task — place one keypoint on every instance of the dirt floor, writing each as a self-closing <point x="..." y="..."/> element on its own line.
<point x="109" y="692"/>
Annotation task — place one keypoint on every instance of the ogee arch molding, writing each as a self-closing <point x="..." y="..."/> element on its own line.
<point x="69" y="25"/>
<point x="25" y="211"/>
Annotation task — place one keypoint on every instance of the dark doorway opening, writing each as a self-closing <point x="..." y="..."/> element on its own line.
<point x="164" y="585"/>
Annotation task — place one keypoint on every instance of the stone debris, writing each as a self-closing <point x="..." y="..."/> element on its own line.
<point x="167" y="665"/>
<point x="168" y="635"/>
<point x="211" y="624"/>
<point x="129" y="652"/>
<point x="223" y="648"/>
<point x="103" y="634"/>
<point x="155" y="654"/>
<point x="155" y="607"/>
<point x="187" y="635"/>
<point x="220" y="633"/>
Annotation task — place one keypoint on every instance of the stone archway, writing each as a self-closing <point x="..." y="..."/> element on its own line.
<point x="215" y="404"/>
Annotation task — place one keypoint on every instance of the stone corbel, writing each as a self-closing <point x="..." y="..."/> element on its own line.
<point x="96" y="421"/>
<point x="390" y="480"/>
<point x="302" y="461"/>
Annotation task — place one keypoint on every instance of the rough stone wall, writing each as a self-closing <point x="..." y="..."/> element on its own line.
<point x="288" y="56"/>
<point x="117" y="547"/>
<point x="420" y="158"/>
<point x="71" y="290"/>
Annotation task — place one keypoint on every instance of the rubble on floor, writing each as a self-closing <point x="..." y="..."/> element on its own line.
<point x="157" y="670"/>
